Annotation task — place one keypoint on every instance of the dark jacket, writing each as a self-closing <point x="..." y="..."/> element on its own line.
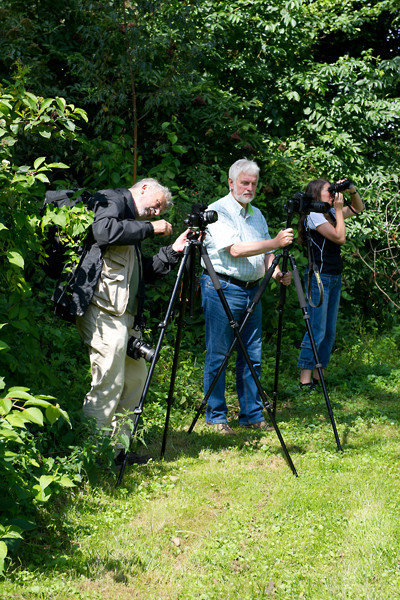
<point x="114" y="224"/>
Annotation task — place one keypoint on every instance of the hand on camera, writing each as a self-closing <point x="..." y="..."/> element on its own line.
<point x="338" y="202"/>
<point x="179" y="243"/>
<point x="162" y="227"/>
<point x="284" y="238"/>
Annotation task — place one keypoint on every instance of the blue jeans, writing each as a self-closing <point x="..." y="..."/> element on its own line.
<point x="322" y="320"/>
<point x="219" y="337"/>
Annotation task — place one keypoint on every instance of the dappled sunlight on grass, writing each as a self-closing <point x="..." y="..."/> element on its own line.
<point x="226" y="513"/>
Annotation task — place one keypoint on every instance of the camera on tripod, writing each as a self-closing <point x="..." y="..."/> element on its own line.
<point x="334" y="188"/>
<point x="199" y="218"/>
<point x="303" y="204"/>
<point x="138" y="349"/>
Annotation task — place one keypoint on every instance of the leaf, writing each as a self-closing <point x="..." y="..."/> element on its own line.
<point x="61" y="103"/>
<point x="45" y="481"/>
<point x="82" y="113"/>
<point x="45" y="104"/>
<point x="40" y="495"/>
<point x="65" y="481"/>
<point x="70" y="125"/>
<point x="39" y="161"/>
<point x="10" y="434"/>
<point x="19" y="394"/>
<point x="30" y="100"/>
<point x="15" y="258"/>
<point x="34" y="415"/>
<point x="16" y="419"/>
<point x="42" y="177"/>
<point x="38" y="402"/>
<point x="58" y="165"/>
<point x="46" y="134"/>
<point x="5" y="406"/>
<point x="53" y="413"/>
<point x="60" y="219"/>
<point x="3" y="550"/>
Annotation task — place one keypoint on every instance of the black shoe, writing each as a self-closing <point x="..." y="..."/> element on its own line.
<point x="315" y="386"/>
<point x="133" y="458"/>
<point x="306" y="388"/>
<point x="309" y="388"/>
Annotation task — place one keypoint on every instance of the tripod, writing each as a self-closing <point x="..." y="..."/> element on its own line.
<point x="237" y="329"/>
<point x="303" y="305"/>
<point x="186" y="268"/>
<point x="186" y="276"/>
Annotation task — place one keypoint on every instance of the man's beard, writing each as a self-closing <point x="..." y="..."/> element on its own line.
<point x="244" y="199"/>
<point x="145" y="212"/>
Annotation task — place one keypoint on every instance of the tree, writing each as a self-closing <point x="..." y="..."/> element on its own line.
<point x="25" y="116"/>
<point x="179" y="90"/>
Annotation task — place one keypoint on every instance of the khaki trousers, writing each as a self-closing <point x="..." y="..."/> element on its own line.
<point x="117" y="380"/>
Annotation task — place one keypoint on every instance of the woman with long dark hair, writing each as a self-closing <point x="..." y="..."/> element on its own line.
<point x="326" y="233"/>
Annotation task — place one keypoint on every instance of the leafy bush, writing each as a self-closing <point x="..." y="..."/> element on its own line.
<point x="27" y="477"/>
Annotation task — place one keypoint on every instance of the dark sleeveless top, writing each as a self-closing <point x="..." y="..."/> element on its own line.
<point x="326" y="254"/>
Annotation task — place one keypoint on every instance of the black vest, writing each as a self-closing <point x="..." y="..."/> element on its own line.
<point x="326" y="254"/>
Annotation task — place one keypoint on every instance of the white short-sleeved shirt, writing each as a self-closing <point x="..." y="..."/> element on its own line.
<point x="314" y="219"/>
<point x="235" y="225"/>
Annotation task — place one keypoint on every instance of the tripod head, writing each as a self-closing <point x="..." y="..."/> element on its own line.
<point x="303" y="203"/>
<point x="199" y="217"/>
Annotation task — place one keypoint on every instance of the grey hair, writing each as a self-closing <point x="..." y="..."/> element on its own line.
<point x="243" y="165"/>
<point x="156" y="185"/>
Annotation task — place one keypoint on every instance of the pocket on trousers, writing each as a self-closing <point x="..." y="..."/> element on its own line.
<point x="112" y="291"/>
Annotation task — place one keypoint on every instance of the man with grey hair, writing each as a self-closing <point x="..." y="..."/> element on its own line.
<point x="240" y="249"/>
<point x="110" y="293"/>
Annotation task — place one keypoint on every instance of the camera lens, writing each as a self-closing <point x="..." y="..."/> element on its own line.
<point x="209" y="216"/>
<point x="137" y="349"/>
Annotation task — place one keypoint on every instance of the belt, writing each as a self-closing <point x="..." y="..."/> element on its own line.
<point x="243" y="284"/>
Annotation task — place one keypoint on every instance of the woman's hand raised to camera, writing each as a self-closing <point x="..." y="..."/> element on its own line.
<point x="338" y="202"/>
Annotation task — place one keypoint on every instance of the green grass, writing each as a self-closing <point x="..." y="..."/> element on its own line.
<point x="225" y="518"/>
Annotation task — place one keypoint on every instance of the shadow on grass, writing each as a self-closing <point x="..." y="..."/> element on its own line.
<point x="359" y="400"/>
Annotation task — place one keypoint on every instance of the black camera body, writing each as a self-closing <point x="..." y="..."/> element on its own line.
<point x="199" y="218"/>
<point x="303" y="203"/>
<point x="138" y="349"/>
<point x="335" y="188"/>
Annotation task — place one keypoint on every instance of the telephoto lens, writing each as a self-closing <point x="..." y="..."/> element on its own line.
<point x="138" y="349"/>
<point x="334" y="188"/>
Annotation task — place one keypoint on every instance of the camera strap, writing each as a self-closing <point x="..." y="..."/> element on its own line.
<point x="312" y="269"/>
<point x="346" y="203"/>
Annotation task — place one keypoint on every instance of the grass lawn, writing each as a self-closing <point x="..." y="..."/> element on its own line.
<point x="225" y="518"/>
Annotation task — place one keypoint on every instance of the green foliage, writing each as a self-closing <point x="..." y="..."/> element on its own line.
<point x="25" y="116"/>
<point x="179" y="90"/>
<point x="71" y="226"/>
<point x="231" y="508"/>
<point x="28" y="479"/>
<point x="373" y="240"/>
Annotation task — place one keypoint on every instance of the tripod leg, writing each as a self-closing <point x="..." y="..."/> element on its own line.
<point x="178" y="339"/>
<point x="281" y="307"/>
<point x="235" y="327"/>
<point x="318" y="366"/>
<point x="242" y="325"/>
<point x="163" y="327"/>
<point x="137" y="413"/>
